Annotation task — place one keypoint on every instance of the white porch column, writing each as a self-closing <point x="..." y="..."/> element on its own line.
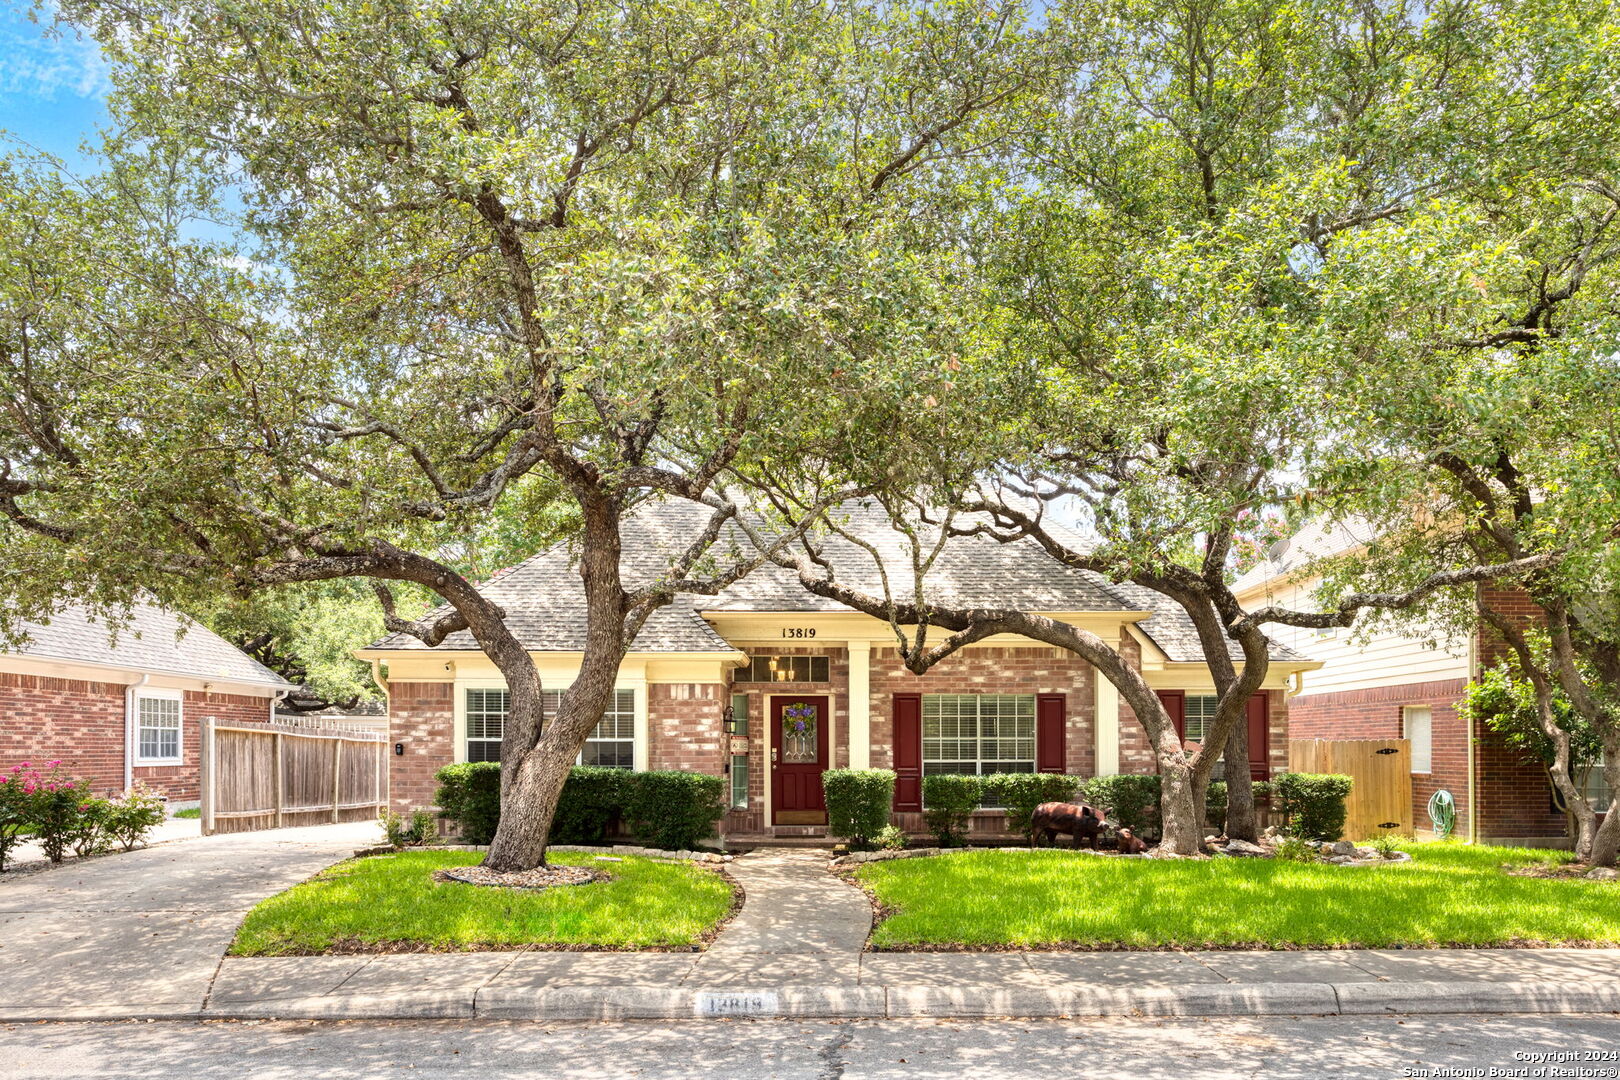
<point x="860" y="704"/>
<point x="1107" y="725"/>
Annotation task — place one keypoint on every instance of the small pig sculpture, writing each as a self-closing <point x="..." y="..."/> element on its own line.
<point x="1129" y="842"/>
<point x="1078" y="820"/>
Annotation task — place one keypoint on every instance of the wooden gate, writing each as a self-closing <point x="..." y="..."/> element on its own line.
<point x="1381" y="799"/>
<point x="266" y="776"/>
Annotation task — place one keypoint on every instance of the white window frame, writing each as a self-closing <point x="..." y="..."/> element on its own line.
<point x="154" y="693"/>
<point x="1422" y="749"/>
<point x="636" y="714"/>
<point x="1204" y="719"/>
<point x="978" y="759"/>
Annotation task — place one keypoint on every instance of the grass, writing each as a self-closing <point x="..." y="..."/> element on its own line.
<point x="194" y="812"/>
<point x="391" y="903"/>
<point x="1449" y="894"/>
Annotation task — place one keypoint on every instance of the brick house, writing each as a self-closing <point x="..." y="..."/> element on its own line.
<point x="125" y="707"/>
<point x="1407" y="684"/>
<point x="766" y="654"/>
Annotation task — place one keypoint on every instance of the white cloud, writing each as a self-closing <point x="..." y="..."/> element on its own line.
<point x="44" y="63"/>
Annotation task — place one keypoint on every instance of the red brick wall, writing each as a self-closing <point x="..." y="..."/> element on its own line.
<point x="422" y="718"/>
<point x="1032" y="670"/>
<point x="684" y="727"/>
<point x="1135" y="752"/>
<point x="81" y="724"/>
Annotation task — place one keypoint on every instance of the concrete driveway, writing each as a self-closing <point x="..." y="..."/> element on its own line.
<point x="147" y="928"/>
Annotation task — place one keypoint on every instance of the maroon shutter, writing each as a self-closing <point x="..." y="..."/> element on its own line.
<point x="1051" y="717"/>
<point x="1259" y="735"/>
<point x="1175" y="703"/>
<point x="907" y="752"/>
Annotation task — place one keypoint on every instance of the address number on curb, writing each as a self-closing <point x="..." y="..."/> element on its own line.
<point x="761" y="1003"/>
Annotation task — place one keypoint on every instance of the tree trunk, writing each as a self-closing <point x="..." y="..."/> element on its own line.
<point x="1606" y="842"/>
<point x="535" y="761"/>
<point x="1178" y="809"/>
<point x="1241" y="823"/>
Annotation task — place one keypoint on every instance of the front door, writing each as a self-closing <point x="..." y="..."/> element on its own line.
<point x="798" y="758"/>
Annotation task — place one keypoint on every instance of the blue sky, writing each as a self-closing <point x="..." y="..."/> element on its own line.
<point x="52" y="85"/>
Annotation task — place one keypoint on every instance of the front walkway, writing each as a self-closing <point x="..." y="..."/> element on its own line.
<point x="145" y="930"/>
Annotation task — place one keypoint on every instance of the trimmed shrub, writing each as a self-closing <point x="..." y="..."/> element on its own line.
<point x="592" y="802"/>
<point x="1132" y="800"/>
<point x="1312" y="804"/>
<point x="470" y="795"/>
<point x="948" y="805"/>
<point x="90" y="833"/>
<point x="858" y="802"/>
<point x="674" y="810"/>
<point x="1021" y="793"/>
<point x="14" y="803"/>
<point x="131" y="817"/>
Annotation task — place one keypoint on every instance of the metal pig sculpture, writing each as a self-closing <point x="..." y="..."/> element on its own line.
<point x="1129" y="842"/>
<point x="1078" y="820"/>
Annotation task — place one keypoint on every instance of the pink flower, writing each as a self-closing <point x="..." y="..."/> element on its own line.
<point x="53" y="764"/>
<point x="16" y="768"/>
<point x="28" y="788"/>
<point x="24" y="765"/>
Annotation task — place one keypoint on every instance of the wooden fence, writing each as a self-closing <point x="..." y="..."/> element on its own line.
<point x="266" y="776"/>
<point x="1381" y="800"/>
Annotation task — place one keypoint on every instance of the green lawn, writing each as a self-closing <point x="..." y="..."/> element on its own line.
<point x="190" y="814"/>
<point x="1449" y="894"/>
<point x="381" y="901"/>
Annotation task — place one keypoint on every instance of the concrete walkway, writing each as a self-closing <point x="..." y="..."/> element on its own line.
<point x="144" y="931"/>
<point x="141" y="936"/>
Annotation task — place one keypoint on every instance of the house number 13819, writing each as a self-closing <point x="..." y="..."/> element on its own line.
<point x="798" y="631"/>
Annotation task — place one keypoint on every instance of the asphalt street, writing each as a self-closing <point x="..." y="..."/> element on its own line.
<point x="1267" y="1047"/>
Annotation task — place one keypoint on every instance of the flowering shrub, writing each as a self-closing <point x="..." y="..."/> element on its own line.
<point x="58" y="812"/>
<point x="55" y="809"/>
<point x="131" y="817"/>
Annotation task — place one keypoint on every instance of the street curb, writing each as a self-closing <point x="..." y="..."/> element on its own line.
<point x="560" y="1003"/>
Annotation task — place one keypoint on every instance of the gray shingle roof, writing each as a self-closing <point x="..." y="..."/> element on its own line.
<point x="154" y="639"/>
<point x="544" y="599"/>
<point x="1172" y="629"/>
<point x="1315" y="540"/>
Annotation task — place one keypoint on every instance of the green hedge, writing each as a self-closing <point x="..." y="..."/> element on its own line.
<point x="858" y="802"/>
<point x="1132" y="801"/>
<point x="470" y="794"/>
<point x="948" y="805"/>
<point x="1312" y="804"/>
<point x="674" y="810"/>
<point x="592" y="802"/>
<point x="1021" y="793"/>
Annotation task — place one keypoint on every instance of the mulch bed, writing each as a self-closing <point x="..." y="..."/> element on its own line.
<point x="541" y="877"/>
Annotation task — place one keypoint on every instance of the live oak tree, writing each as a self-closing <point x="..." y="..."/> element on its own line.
<point x="1233" y="219"/>
<point x="621" y="250"/>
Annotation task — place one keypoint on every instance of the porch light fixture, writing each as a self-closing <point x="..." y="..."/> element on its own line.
<point x="728" y="717"/>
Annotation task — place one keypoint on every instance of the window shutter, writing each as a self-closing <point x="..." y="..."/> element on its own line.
<point x="1051" y="717"/>
<point x="907" y="752"/>
<point x="1259" y="735"/>
<point x="1175" y="703"/>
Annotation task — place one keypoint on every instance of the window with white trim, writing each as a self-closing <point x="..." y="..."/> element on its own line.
<point x="611" y="744"/>
<point x="157" y="728"/>
<point x="1597" y="790"/>
<point x="486" y="723"/>
<point x="978" y="734"/>
<point x="1417" y="727"/>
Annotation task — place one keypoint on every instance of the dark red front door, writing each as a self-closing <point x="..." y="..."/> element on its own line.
<point x="798" y="758"/>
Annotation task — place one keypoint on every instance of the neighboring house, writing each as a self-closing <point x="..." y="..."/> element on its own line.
<point x="125" y="707"/>
<point x="765" y="651"/>
<point x="1407" y="684"/>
